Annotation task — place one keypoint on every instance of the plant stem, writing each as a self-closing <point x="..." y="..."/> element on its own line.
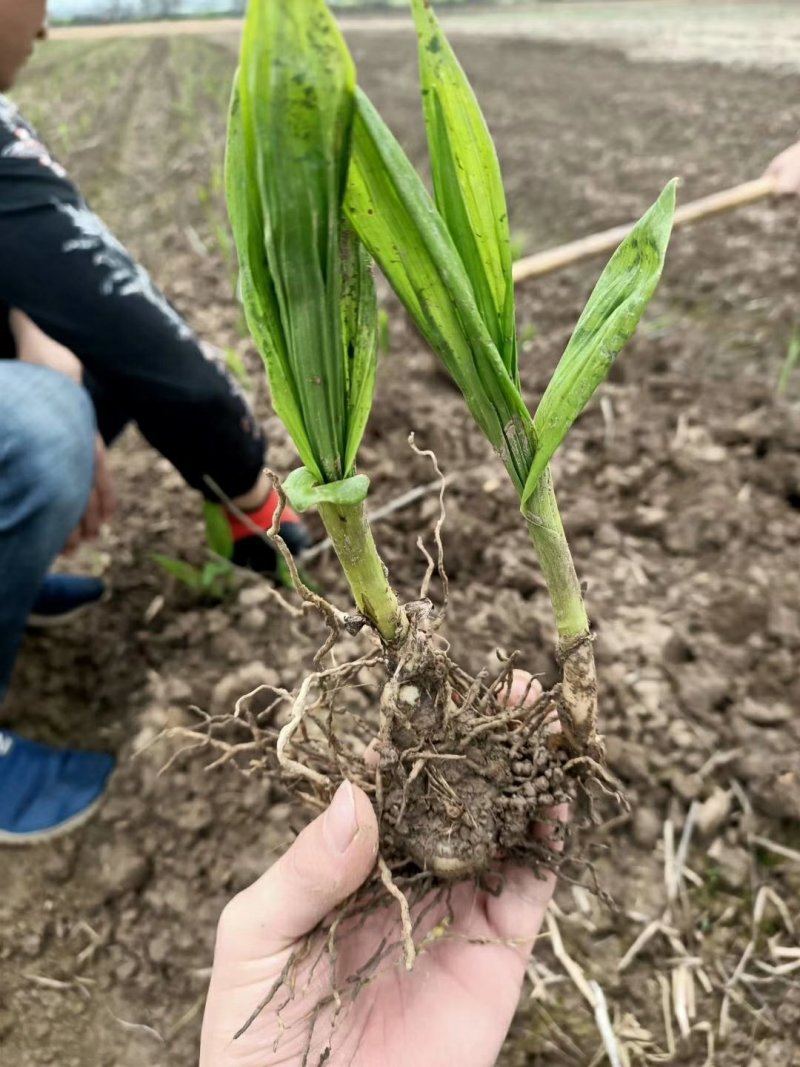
<point x="579" y="688"/>
<point x="352" y="539"/>
<point x="555" y="559"/>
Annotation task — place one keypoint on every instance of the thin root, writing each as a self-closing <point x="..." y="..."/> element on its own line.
<point x="285" y="736"/>
<point x="409" y="949"/>
<point x="437" y="531"/>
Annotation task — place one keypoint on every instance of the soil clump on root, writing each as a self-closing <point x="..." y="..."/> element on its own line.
<point x="462" y="776"/>
<point x="469" y="776"/>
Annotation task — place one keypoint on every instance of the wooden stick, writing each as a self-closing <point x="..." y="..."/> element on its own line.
<point x="554" y="259"/>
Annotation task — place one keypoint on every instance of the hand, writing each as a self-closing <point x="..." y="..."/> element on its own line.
<point x="34" y="346"/>
<point x="454" y="1007"/>
<point x="785" y="170"/>
<point x="102" y="501"/>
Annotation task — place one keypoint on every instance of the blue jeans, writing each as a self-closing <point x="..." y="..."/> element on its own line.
<point x="47" y="430"/>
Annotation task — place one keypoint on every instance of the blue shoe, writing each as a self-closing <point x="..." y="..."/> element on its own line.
<point x="63" y="596"/>
<point x="46" y="792"/>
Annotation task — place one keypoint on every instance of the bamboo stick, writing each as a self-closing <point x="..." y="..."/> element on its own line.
<point x="553" y="259"/>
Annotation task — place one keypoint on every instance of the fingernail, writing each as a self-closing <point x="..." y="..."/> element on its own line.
<point x="341" y="822"/>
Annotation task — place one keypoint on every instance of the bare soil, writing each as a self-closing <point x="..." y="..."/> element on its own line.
<point x="680" y="491"/>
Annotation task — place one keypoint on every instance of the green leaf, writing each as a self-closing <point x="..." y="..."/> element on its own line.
<point x="359" y="338"/>
<point x="304" y="491"/>
<point x="393" y="214"/>
<point x="297" y="82"/>
<point x="258" y="293"/>
<point x="608" y="321"/>
<point x="219" y="536"/>
<point x="789" y="364"/>
<point x="217" y="579"/>
<point x="467" y="182"/>
<point x="184" y="572"/>
<point x="283" y="576"/>
<point x="282" y="573"/>
<point x="288" y="157"/>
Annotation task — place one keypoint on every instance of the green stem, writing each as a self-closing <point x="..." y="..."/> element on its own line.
<point x="350" y="533"/>
<point x="579" y="682"/>
<point x="555" y="559"/>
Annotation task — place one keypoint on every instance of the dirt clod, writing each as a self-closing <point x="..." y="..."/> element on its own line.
<point x="122" y="870"/>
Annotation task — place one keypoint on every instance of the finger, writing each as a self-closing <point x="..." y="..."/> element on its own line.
<point x="554" y="819"/>
<point x="524" y="689"/>
<point x="520" y="686"/>
<point x="330" y="859"/>
<point x="518" y="912"/>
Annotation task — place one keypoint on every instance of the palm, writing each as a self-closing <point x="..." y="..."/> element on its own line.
<point x="454" y="1007"/>
<point x="463" y="991"/>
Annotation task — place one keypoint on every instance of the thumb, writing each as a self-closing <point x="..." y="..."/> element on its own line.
<point x="329" y="860"/>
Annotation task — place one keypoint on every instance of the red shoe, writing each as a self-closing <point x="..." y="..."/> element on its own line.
<point x="250" y="550"/>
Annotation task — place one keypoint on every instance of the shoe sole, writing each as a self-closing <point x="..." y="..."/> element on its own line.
<point x="50" y="622"/>
<point x="41" y="837"/>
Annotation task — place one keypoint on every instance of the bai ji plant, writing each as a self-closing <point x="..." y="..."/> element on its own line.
<point x="317" y="185"/>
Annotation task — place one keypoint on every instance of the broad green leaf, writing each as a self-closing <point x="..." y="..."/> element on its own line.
<point x="467" y="182"/>
<point x="258" y="293"/>
<point x="219" y="536"/>
<point x="393" y="214"/>
<point x="288" y="161"/>
<point x="297" y="82"/>
<point x="359" y="338"/>
<point x="304" y="491"/>
<point x="608" y="321"/>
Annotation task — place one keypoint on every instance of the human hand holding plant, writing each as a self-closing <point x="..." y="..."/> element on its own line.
<point x="454" y="1007"/>
<point x="316" y="183"/>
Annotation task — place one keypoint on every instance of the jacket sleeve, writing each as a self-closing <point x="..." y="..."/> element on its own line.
<point x="63" y="268"/>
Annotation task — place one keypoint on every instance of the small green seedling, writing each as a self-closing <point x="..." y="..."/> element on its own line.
<point x="214" y="580"/>
<point x="789" y="364"/>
